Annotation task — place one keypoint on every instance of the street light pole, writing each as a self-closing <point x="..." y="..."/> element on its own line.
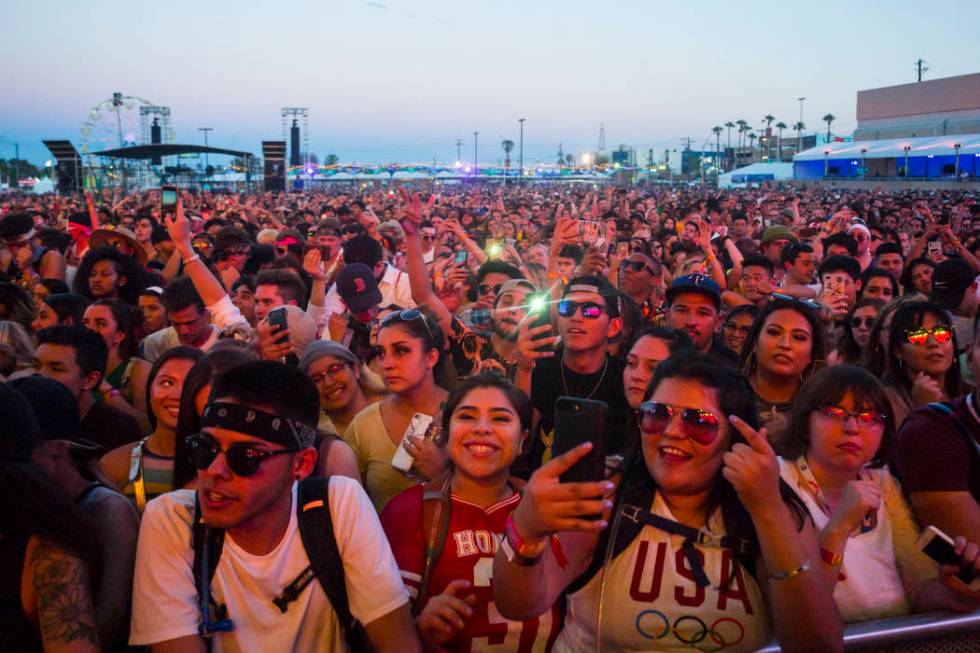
<point x="205" y="130"/>
<point x="521" y="120"/>
<point x="476" y="158"/>
<point x="801" y="107"/>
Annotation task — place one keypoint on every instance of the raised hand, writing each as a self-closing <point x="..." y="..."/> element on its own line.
<point x="272" y="345"/>
<point x="446" y="614"/>
<point x="549" y="506"/>
<point x="858" y="499"/>
<point x="313" y="264"/>
<point x="533" y="347"/>
<point x="430" y="458"/>
<point x="752" y="469"/>
<point x="179" y="227"/>
<point x="969" y="554"/>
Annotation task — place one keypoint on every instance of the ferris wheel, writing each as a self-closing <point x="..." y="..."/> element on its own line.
<point x="113" y="123"/>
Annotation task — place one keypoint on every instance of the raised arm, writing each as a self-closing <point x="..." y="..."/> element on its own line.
<point x="418" y="274"/>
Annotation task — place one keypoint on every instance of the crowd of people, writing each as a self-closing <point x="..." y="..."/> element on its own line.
<point x="330" y="420"/>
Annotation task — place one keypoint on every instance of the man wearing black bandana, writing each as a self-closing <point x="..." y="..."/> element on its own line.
<point x="257" y="439"/>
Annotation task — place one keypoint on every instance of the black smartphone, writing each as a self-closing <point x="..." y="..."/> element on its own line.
<point x="938" y="546"/>
<point x="461" y="257"/>
<point x="277" y="320"/>
<point x="578" y="421"/>
<point x="539" y="309"/>
<point x="168" y="200"/>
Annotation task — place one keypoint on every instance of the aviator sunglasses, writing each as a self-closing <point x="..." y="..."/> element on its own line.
<point x="243" y="459"/>
<point x="702" y="426"/>
<point x="919" y="336"/>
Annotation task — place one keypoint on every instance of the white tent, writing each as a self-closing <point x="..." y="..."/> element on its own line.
<point x="756" y="173"/>
<point x="894" y="148"/>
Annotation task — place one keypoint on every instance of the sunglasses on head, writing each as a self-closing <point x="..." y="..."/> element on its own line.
<point x="408" y="315"/>
<point x="808" y="303"/>
<point x="862" y="416"/>
<point x="919" y="336"/>
<point x="856" y="322"/>
<point x="590" y="310"/>
<point x="243" y="459"/>
<point x="702" y="426"/>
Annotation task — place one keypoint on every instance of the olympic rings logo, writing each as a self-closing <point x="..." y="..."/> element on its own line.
<point x="691" y="630"/>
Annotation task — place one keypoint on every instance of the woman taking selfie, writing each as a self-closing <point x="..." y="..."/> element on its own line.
<point x="444" y="532"/>
<point x="921" y="361"/>
<point x="839" y="437"/>
<point x="153" y="471"/>
<point x="698" y="540"/>
<point x="409" y="350"/>
<point x="784" y="346"/>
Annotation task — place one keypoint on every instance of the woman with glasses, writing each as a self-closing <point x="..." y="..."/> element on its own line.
<point x="785" y="346"/>
<point x="738" y="325"/>
<point x="443" y="534"/>
<point x="410" y="347"/>
<point x="697" y="541"/>
<point x="144" y="469"/>
<point x="856" y="333"/>
<point x="839" y="438"/>
<point x="920" y="366"/>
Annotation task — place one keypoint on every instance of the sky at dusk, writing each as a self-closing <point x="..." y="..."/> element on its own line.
<point x="401" y="80"/>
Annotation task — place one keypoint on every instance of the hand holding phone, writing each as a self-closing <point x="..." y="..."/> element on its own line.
<point x="277" y="320"/>
<point x="938" y="546"/>
<point x="168" y="200"/>
<point x="578" y="421"/>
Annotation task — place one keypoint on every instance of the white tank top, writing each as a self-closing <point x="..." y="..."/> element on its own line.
<point x="871" y="587"/>
<point x="653" y="604"/>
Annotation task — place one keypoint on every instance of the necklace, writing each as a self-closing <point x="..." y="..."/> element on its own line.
<point x="564" y="384"/>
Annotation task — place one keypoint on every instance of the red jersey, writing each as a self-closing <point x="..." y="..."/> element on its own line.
<point x="471" y="543"/>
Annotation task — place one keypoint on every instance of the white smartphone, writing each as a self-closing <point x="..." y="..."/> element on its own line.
<point x="417" y="427"/>
<point x="938" y="546"/>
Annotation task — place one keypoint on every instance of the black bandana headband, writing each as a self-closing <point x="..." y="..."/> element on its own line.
<point x="244" y="419"/>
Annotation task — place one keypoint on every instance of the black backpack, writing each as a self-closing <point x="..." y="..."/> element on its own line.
<point x="316" y="531"/>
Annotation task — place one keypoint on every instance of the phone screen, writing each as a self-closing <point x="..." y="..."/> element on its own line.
<point x="168" y="198"/>
<point x="460" y="257"/>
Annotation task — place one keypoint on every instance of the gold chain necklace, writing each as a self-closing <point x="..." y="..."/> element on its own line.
<point x="564" y="384"/>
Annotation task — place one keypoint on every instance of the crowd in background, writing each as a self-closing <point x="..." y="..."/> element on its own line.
<point x="788" y="381"/>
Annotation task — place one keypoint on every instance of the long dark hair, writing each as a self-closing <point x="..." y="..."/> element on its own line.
<point x="126" y="266"/>
<point x="826" y="388"/>
<point x="68" y="306"/>
<point x="848" y="347"/>
<point x="122" y="313"/>
<point x="910" y="316"/>
<point x="181" y="352"/>
<point x="425" y="329"/>
<point x="818" y="357"/>
<point x="223" y="356"/>
<point x="735" y="397"/>
<point x="875" y="358"/>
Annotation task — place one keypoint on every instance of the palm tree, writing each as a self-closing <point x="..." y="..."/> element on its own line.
<point x="780" y="126"/>
<point x="569" y="160"/>
<point x="769" y="119"/>
<point x="829" y="118"/>
<point x="799" y="127"/>
<point x="743" y="126"/>
<point x="717" y="130"/>
<point x="752" y="136"/>
<point x="729" y="124"/>
<point x="508" y="146"/>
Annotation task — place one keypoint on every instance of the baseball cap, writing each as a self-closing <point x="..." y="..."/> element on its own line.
<point x="777" y="232"/>
<point x="695" y="283"/>
<point x="358" y="288"/>
<point x="950" y="280"/>
<point x="56" y="411"/>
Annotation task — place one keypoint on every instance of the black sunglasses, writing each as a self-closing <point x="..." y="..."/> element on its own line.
<point x="590" y="310"/>
<point x="243" y="459"/>
<point x="808" y="303"/>
<point x="867" y="321"/>
<point x="636" y="266"/>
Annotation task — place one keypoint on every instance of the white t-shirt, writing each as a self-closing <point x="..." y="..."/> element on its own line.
<point x="165" y="601"/>
<point x="652" y="602"/>
<point x="158" y="342"/>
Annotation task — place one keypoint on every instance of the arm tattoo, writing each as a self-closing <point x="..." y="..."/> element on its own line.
<point x="64" y="600"/>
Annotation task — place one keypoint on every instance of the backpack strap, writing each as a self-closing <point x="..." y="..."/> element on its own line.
<point x="207" y="542"/>
<point x="436" y="506"/>
<point x="948" y="409"/>
<point x="316" y="530"/>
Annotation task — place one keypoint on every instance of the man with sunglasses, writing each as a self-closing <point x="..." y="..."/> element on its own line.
<point x="640" y="278"/>
<point x="588" y="318"/>
<point x="257" y="440"/>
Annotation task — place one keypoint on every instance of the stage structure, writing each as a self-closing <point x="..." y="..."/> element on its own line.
<point x="68" y="166"/>
<point x="274" y="158"/>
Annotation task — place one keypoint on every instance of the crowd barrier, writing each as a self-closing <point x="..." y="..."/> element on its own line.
<point x="932" y="632"/>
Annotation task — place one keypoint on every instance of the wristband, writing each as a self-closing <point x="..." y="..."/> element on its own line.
<point x="110" y="394"/>
<point x="190" y="259"/>
<point x="792" y="573"/>
<point x="516" y="550"/>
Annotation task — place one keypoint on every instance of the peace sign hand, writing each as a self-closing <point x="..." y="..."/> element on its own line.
<point x="752" y="469"/>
